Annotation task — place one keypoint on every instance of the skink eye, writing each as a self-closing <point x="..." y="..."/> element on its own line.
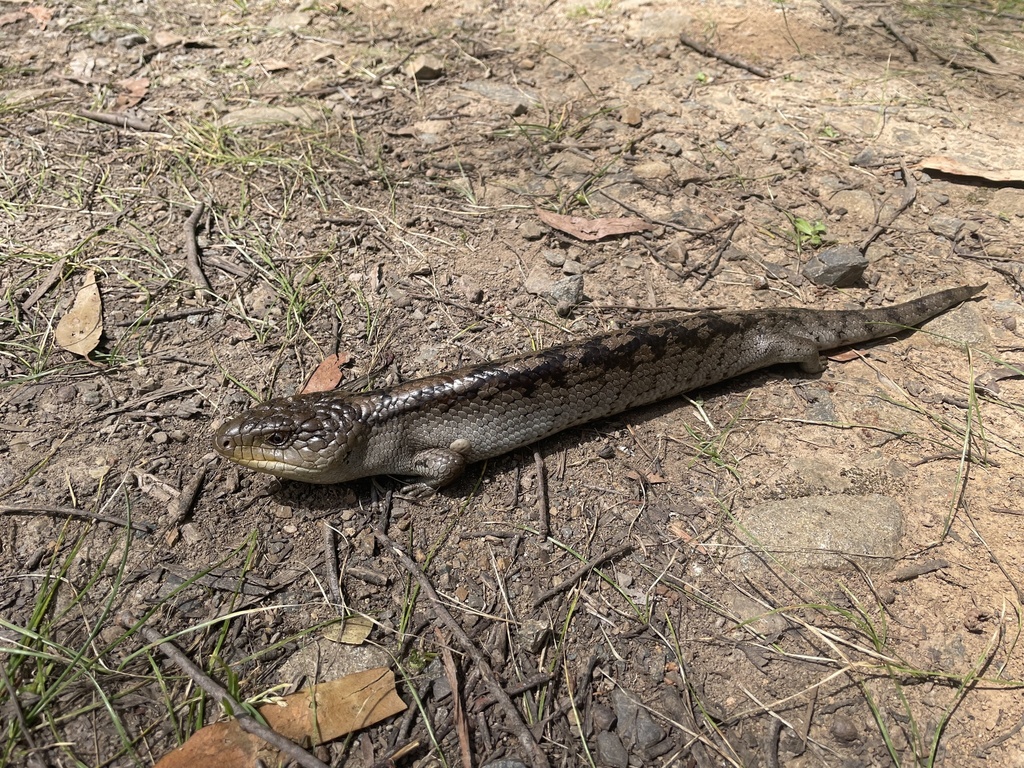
<point x="276" y="439"/>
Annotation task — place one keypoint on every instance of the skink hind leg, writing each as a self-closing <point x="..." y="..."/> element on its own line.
<point x="438" y="467"/>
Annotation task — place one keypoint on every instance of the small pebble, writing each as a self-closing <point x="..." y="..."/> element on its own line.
<point x="554" y="258"/>
<point x="531" y="230"/>
<point x="844" y="729"/>
<point x="161" y="438"/>
<point x="631" y="116"/>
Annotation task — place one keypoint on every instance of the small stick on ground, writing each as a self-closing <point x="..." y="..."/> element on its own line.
<point x="717" y="258"/>
<point x="458" y="715"/>
<point x="119" y="121"/>
<point x="582" y="572"/>
<point x="331" y="561"/>
<point x="836" y="15"/>
<point x="542" y="495"/>
<point x="895" y="31"/>
<point x="909" y="195"/>
<point x="195" y="268"/>
<point x="732" y="61"/>
<point x="51" y="277"/>
<point x="227" y="702"/>
<point x="515" y="720"/>
<point x="82" y="514"/>
<point x="182" y="505"/>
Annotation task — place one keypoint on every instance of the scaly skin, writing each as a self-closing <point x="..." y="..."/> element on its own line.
<point x="431" y="428"/>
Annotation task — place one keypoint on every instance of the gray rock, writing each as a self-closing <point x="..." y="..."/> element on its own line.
<point x="824" y="532"/>
<point x="518" y="97"/>
<point x="568" y="290"/>
<point x="610" y="751"/>
<point x="868" y="158"/>
<point x="945" y="226"/>
<point x="603" y="717"/>
<point x="840" y="266"/>
<point x="844" y="729"/>
<point x="532" y="230"/>
<point x="638" y="78"/>
<point x="649" y="734"/>
<point x="625" y="715"/>
<point x="554" y="258"/>
<point x="506" y="763"/>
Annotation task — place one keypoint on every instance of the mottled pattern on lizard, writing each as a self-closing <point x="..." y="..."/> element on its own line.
<point x="431" y="428"/>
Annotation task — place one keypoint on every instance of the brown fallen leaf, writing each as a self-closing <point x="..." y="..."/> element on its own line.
<point x="80" y="329"/>
<point x="845" y="357"/>
<point x="40" y="14"/>
<point x="353" y="631"/>
<point x="327" y="375"/>
<point x="592" y="229"/>
<point x="342" y="706"/>
<point x="133" y="91"/>
<point x="955" y="166"/>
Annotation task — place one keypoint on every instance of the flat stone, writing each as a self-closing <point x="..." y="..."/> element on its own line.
<point x="840" y="266"/>
<point x="503" y="93"/>
<point x="1008" y="202"/>
<point x="654" y="169"/>
<point x="649" y="734"/>
<point x="610" y="751"/>
<point x="253" y="116"/>
<point x="824" y="533"/>
<point x="532" y="230"/>
<point x="945" y="226"/>
<point x="631" y="115"/>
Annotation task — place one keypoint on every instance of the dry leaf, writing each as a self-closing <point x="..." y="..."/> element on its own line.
<point x="275" y="65"/>
<point x="845" y="357"/>
<point x="80" y="329"/>
<point x="40" y="14"/>
<point x="167" y="39"/>
<point x="592" y="229"/>
<point x="342" y="706"/>
<point x="133" y="91"/>
<point x="956" y="167"/>
<point x="327" y="375"/>
<point x="353" y="631"/>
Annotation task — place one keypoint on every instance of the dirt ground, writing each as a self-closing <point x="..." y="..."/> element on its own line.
<point x="371" y="176"/>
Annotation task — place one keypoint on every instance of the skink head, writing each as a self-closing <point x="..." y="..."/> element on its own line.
<point x="307" y="437"/>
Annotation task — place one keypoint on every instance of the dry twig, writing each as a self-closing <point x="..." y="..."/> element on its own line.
<point x="227" y="702"/>
<point x="585" y="569"/>
<point x="515" y="720"/>
<point x="909" y="195"/>
<point x="895" y="31"/>
<point x="119" y="121"/>
<point x="732" y="61"/>
<point x="195" y="268"/>
<point x="82" y="514"/>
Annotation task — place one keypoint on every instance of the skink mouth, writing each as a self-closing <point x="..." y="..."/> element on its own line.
<point x="232" y="448"/>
